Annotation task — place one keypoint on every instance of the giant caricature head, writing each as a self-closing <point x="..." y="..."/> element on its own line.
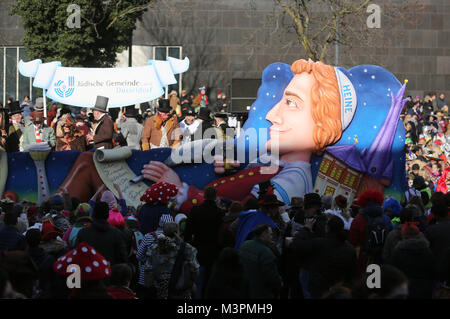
<point x="308" y="117"/>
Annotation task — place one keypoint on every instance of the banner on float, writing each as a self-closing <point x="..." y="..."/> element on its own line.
<point x="123" y="86"/>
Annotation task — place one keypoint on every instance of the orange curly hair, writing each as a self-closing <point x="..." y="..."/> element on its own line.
<point x="326" y="102"/>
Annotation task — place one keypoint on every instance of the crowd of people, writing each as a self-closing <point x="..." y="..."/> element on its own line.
<point x="314" y="247"/>
<point x="427" y="145"/>
<point x="162" y="123"/>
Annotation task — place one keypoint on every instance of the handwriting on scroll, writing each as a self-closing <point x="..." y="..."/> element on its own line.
<point x="119" y="173"/>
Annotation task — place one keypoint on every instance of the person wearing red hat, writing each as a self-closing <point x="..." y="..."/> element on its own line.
<point x="93" y="269"/>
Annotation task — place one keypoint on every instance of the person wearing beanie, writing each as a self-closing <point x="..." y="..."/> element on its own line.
<point x="103" y="237"/>
<point x="82" y="219"/>
<point x="57" y="205"/>
<point x="141" y="256"/>
<point x="331" y="259"/>
<point x="413" y="256"/>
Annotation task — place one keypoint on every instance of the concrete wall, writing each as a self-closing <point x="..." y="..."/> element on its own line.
<point x="228" y="39"/>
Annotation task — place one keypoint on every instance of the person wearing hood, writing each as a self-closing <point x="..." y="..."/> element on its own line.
<point x="105" y="238"/>
<point x="412" y="255"/>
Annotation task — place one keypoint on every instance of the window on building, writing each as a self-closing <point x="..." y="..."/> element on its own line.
<point x="161" y="53"/>
<point x="12" y="83"/>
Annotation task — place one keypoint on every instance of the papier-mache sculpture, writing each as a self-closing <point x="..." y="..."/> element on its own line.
<point x="327" y="130"/>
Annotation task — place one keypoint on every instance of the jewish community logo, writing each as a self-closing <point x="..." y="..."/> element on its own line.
<point x="63" y="90"/>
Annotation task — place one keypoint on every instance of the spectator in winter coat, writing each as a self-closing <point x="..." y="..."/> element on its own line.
<point x="141" y="256"/>
<point x="371" y="202"/>
<point x="439" y="234"/>
<point x="414" y="258"/>
<point x="131" y="129"/>
<point x="163" y="255"/>
<point x="10" y="238"/>
<point x="394" y="237"/>
<point x="202" y="227"/>
<point x="120" y="282"/>
<point x="260" y="264"/>
<point x="44" y="262"/>
<point x="227" y="280"/>
<point x="330" y="259"/>
<point x="103" y="237"/>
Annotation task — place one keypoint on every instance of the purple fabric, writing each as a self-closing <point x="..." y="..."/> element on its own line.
<point x="349" y="155"/>
<point x="377" y="158"/>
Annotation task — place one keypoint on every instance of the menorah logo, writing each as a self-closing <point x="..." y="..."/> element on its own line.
<point x="63" y="90"/>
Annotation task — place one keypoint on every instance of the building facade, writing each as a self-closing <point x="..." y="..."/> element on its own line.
<point x="228" y="40"/>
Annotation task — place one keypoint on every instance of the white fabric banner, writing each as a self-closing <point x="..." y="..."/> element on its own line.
<point x="123" y="86"/>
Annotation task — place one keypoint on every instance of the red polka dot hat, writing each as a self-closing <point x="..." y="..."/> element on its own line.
<point x="159" y="193"/>
<point x="93" y="266"/>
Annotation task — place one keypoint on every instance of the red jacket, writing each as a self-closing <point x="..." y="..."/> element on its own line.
<point x="235" y="187"/>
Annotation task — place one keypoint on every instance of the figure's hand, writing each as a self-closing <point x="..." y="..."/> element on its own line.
<point x="159" y="172"/>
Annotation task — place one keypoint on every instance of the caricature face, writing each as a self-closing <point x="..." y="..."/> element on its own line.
<point x="292" y="122"/>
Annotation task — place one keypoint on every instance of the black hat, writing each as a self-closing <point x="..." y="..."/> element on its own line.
<point x="14" y="108"/>
<point x="131" y="111"/>
<point x="164" y="106"/>
<point x="270" y="200"/>
<point x="312" y="199"/>
<point x="189" y="112"/>
<point x="101" y="103"/>
<point x="204" y="114"/>
<point x="221" y="115"/>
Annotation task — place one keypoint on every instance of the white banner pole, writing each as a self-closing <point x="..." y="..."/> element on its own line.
<point x="167" y="89"/>
<point x="45" y="107"/>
